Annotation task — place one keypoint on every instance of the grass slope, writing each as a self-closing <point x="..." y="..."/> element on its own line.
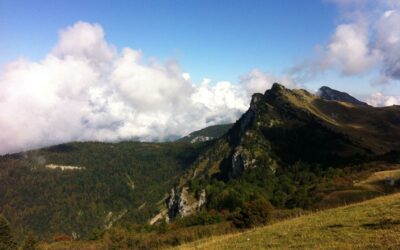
<point x="374" y="224"/>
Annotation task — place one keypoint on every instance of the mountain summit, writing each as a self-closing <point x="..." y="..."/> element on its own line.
<point x="283" y="131"/>
<point x="335" y="95"/>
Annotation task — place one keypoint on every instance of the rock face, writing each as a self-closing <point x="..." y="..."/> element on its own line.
<point x="202" y="199"/>
<point x="177" y="203"/>
<point x="201" y="138"/>
<point x="335" y="95"/>
<point x="238" y="164"/>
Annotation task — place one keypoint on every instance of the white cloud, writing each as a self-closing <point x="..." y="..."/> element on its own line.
<point x="367" y="38"/>
<point x="348" y="50"/>
<point x="85" y="89"/>
<point x="85" y="41"/>
<point x="257" y="81"/>
<point x="388" y="42"/>
<point x="379" y="100"/>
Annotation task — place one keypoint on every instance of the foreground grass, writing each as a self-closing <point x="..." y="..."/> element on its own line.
<point x="373" y="224"/>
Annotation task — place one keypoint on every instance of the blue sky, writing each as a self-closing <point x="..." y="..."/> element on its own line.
<point x="221" y="40"/>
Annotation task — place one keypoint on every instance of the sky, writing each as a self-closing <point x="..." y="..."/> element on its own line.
<point x="154" y="70"/>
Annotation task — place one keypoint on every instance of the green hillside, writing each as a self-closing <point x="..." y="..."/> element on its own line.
<point x="208" y="133"/>
<point x="373" y="224"/>
<point x="105" y="183"/>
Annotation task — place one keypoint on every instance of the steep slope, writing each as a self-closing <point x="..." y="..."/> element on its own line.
<point x="81" y="189"/>
<point x="373" y="224"/>
<point x="335" y="95"/>
<point x="282" y="147"/>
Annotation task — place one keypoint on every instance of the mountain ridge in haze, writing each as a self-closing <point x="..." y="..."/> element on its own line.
<point x="328" y="93"/>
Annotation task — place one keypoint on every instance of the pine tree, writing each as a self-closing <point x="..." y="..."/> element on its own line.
<point x="6" y="240"/>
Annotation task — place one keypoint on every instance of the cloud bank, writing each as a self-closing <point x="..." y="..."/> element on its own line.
<point x="366" y="39"/>
<point x="85" y="89"/>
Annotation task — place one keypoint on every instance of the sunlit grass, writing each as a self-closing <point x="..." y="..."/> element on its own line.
<point x="373" y="224"/>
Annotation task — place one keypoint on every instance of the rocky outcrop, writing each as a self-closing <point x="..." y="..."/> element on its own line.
<point x="177" y="203"/>
<point x="240" y="162"/>
<point x="202" y="199"/>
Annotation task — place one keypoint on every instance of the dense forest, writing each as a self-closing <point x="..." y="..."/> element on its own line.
<point x="110" y="180"/>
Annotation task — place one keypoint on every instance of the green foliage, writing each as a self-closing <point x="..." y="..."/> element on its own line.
<point x="30" y="243"/>
<point x="48" y="201"/>
<point x="6" y="239"/>
<point x="118" y="238"/>
<point x="200" y="218"/>
<point x="254" y="213"/>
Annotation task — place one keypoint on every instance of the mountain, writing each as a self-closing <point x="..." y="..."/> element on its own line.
<point x="206" y="134"/>
<point x="291" y="149"/>
<point x="335" y="95"/>
<point x="282" y="148"/>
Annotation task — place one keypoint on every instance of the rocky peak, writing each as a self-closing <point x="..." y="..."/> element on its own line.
<point x="335" y="95"/>
<point x="277" y="87"/>
<point x="278" y="92"/>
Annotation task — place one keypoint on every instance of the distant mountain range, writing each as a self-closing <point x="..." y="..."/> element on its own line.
<point x="206" y="134"/>
<point x="284" y="149"/>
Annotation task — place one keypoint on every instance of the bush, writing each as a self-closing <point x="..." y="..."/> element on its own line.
<point x="118" y="238"/>
<point x="6" y="239"/>
<point x="201" y="218"/>
<point x="254" y="213"/>
<point x="30" y="243"/>
<point x="61" y="237"/>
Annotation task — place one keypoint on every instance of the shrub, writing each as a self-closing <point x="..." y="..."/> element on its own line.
<point x="6" y="239"/>
<point x="254" y="213"/>
<point x="61" y="237"/>
<point x="30" y="243"/>
<point x="201" y="218"/>
<point x="118" y="238"/>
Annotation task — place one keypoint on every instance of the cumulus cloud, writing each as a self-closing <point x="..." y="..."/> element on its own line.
<point x="348" y="50"/>
<point x="257" y="81"/>
<point x="85" y="89"/>
<point x="380" y="100"/>
<point x="388" y="42"/>
<point x="366" y="38"/>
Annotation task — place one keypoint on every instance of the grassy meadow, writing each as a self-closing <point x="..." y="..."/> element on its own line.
<point x="373" y="224"/>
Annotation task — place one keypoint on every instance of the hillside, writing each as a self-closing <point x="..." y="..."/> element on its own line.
<point x="374" y="224"/>
<point x="286" y="149"/>
<point x="82" y="189"/>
